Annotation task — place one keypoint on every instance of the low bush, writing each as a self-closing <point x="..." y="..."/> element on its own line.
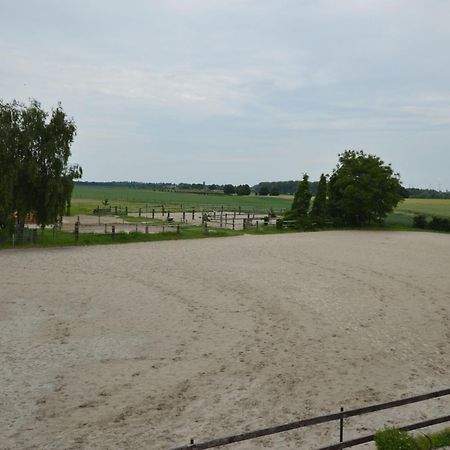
<point x="420" y="221"/>
<point x="394" y="440"/>
<point x="440" y="224"/>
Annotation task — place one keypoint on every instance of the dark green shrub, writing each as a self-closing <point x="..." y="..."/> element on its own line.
<point x="394" y="440"/>
<point x="319" y="210"/>
<point x="243" y="189"/>
<point x="440" y="224"/>
<point x="274" y="191"/>
<point x="420" y="221"/>
<point x="229" y="189"/>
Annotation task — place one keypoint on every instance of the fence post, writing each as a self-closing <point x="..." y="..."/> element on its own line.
<point x="126" y="210"/>
<point x="140" y="212"/>
<point x="105" y="228"/>
<point x="184" y="216"/>
<point x="226" y="220"/>
<point x="77" y="230"/>
<point x="193" y="213"/>
<point x="341" y="426"/>
<point x="221" y="220"/>
<point x="136" y="228"/>
<point x="163" y="212"/>
<point x="153" y="213"/>
<point x="113" y="231"/>
<point x="233" y="223"/>
<point x="146" y="229"/>
<point x="206" y="227"/>
<point x="168" y="214"/>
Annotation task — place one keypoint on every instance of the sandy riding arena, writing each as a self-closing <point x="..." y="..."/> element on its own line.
<point x="148" y="345"/>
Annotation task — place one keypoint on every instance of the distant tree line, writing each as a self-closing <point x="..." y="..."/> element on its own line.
<point x="281" y="187"/>
<point x="36" y="178"/>
<point x="427" y="193"/>
<point x="156" y="186"/>
<point x="229" y="189"/>
<point x="290" y="187"/>
<point x="264" y="188"/>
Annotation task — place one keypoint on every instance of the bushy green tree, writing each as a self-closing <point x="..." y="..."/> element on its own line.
<point x="9" y="142"/>
<point x="319" y="210"/>
<point x="264" y="190"/>
<point x="35" y="177"/>
<point x="362" y="189"/>
<point x="275" y="191"/>
<point x="299" y="211"/>
<point x="243" y="189"/>
<point x="229" y="189"/>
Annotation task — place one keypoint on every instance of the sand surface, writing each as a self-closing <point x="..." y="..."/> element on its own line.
<point x="147" y="345"/>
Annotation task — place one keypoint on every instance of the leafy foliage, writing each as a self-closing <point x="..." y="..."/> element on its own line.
<point x="319" y="210"/>
<point x="284" y="187"/>
<point x="243" y="189"/>
<point x="274" y="191"/>
<point x="299" y="211"/>
<point x="34" y="152"/>
<point x="439" y="223"/>
<point x="420" y="221"/>
<point x="362" y="189"/>
<point x="229" y="189"/>
<point x="394" y="440"/>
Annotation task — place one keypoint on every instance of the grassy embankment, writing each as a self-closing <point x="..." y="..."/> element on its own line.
<point x="50" y="238"/>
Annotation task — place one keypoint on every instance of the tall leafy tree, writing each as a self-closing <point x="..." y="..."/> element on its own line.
<point x="9" y="142"/>
<point x="301" y="204"/>
<point x="362" y="189"/>
<point x="243" y="189"/>
<point x="229" y="189"/>
<point x="319" y="208"/>
<point x="36" y="177"/>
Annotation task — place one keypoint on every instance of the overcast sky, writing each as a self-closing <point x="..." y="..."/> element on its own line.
<point x="237" y="91"/>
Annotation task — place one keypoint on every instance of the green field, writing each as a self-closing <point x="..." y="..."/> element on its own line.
<point x="86" y="198"/>
<point x="405" y="211"/>
<point x="430" y="207"/>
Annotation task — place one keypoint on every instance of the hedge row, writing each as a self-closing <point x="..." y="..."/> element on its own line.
<point x="436" y="223"/>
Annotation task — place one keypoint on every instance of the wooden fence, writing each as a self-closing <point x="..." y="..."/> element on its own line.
<point x="340" y="416"/>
